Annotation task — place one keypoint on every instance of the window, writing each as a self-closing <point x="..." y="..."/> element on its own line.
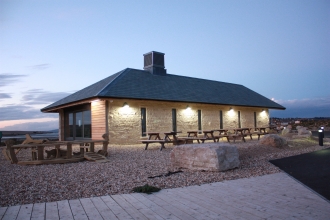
<point x="239" y="119"/>
<point x="255" y="120"/>
<point x="199" y="112"/>
<point x="221" y="120"/>
<point x="78" y="123"/>
<point x="143" y="121"/>
<point x="174" y="120"/>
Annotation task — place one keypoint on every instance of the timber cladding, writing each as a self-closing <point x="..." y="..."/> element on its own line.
<point x="98" y="113"/>
<point x="124" y="123"/>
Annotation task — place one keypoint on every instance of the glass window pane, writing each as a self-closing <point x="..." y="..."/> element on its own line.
<point x="87" y="124"/>
<point x="71" y="125"/>
<point x="79" y="124"/>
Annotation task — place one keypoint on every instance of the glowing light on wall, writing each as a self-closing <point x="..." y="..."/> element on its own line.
<point x="231" y="112"/>
<point x="125" y="105"/>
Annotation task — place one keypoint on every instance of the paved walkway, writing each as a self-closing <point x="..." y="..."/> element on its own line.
<point x="275" y="196"/>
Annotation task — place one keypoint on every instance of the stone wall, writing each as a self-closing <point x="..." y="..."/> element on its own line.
<point x="124" y="123"/>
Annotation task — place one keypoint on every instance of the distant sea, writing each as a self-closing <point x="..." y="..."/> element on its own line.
<point x="34" y="136"/>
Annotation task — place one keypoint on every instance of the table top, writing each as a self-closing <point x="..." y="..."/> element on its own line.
<point x="52" y="143"/>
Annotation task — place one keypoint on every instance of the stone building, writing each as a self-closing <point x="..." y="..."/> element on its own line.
<point x="132" y="102"/>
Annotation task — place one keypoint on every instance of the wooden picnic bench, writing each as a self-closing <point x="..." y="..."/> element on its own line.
<point x="261" y="131"/>
<point x="60" y="156"/>
<point x="208" y="135"/>
<point x="222" y="133"/>
<point x="238" y="134"/>
<point x="193" y="135"/>
<point x="170" y="137"/>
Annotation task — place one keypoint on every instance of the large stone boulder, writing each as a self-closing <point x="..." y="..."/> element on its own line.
<point x="303" y="131"/>
<point x="273" y="140"/>
<point x="286" y="131"/>
<point x="207" y="156"/>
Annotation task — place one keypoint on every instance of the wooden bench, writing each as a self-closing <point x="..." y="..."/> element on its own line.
<point x="260" y="133"/>
<point x="161" y="142"/>
<point x="190" y="140"/>
<point x="37" y="150"/>
<point x="237" y="136"/>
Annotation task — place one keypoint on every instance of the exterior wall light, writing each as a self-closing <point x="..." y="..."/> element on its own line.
<point x="125" y="105"/>
<point x="231" y="109"/>
<point x="263" y="110"/>
<point x="188" y="107"/>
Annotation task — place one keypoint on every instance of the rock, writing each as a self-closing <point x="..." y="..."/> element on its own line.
<point x="207" y="156"/>
<point x="273" y="140"/>
<point x="286" y="131"/>
<point x="303" y="130"/>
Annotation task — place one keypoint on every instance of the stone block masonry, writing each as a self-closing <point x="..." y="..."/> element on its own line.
<point x="124" y="124"/>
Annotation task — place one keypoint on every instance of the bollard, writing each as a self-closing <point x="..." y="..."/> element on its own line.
<point x="321" y="137"/>
<point x="322" y="128"/>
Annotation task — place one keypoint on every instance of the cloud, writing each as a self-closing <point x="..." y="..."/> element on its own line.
<point x="41" y="66"/>
<point x="299" y="103"/>
<point x="303" y="108"/>
<point x="33" y="126"/>
<point x="8" y="78"/>
<point x="39" y="96"/>
<point x="4" y="96"/>
<point x="15" y="112"/>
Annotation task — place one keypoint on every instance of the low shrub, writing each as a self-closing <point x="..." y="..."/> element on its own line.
<point x="146" y="189"/>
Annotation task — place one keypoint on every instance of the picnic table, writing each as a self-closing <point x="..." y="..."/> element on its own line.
<point x="153" y="136"/>
<point x="171" y="137"/>
<point x="208" y="134"/>
<point x="221" y="134"/>
<point x="243" y="132"/>
<point x="37" y="151"/>
<point x="261" y="131"/>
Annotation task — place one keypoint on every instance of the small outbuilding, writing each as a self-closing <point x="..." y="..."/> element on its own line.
<point x="132" y="102"/>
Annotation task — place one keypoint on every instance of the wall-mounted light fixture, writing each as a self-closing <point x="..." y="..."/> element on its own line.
<point x="188" y="107"/>
<point x="263" y="110"/>
<point x="230" y="109"/>
<point x="125" y="105"/>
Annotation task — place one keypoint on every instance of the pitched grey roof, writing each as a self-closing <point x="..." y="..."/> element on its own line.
<point x="140" y="84"/>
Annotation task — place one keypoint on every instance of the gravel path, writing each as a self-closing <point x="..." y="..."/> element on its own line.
<point x="129" y="166"/>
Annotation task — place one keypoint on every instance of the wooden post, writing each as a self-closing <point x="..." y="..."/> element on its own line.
<point x="69" y="150"/>
<point x="105" y="136"/>
<point x="58" y="151"/>
<point x="92" y="147"/>
<point x="40" y="152"/>
<point x="10" y="151"/>
<point x="34" y="153"/>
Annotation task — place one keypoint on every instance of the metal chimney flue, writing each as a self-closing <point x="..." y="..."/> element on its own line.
<point x="154" y="62"/>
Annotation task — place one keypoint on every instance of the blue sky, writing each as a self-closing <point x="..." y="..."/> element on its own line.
<point x="50" y="49"/>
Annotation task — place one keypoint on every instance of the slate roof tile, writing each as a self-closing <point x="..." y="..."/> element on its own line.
<point x="140" y="84"/>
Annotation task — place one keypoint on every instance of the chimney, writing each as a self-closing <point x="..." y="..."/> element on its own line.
<point x="154" y="63"/>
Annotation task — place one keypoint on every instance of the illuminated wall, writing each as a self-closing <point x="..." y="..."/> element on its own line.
<point x="124" y="122"/>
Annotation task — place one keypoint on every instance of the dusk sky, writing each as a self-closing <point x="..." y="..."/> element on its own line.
<point x="50" y="49"/>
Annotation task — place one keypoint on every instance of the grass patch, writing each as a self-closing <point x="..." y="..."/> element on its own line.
<point x="302" y="142"/>
<point x="146" y="189"/>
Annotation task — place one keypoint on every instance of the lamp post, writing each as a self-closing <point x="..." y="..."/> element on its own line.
<point x="321" y="133"/>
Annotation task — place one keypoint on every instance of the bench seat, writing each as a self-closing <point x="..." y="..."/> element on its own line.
<point x="222" y="136"/>
<point x="236" y="136"/>
<point x="259" y="134"/>
<point x="161" y="142"/>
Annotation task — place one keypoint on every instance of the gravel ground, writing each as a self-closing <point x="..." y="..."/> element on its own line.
<point x="129" y="167"/>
